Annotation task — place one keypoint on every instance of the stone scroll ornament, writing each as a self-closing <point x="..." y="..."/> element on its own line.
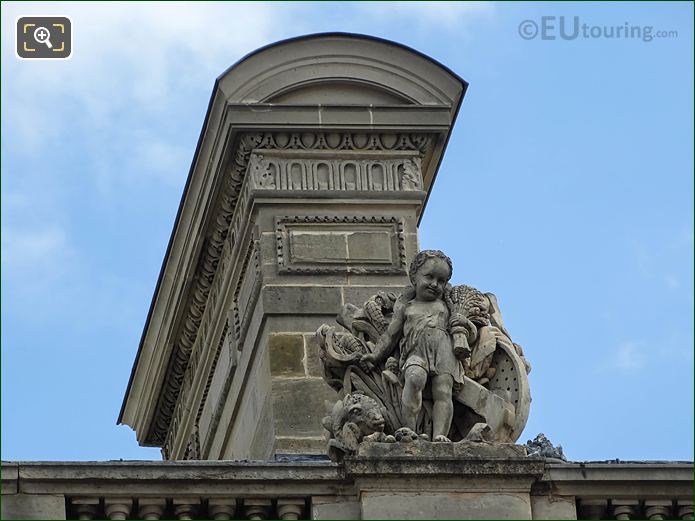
<point x="434" y="363"/>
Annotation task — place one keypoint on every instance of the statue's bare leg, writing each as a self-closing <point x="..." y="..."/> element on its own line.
<point x="443" y="408"/>
<point x="415" y="380"/>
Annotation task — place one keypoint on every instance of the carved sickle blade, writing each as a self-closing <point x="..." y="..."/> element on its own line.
<point x="335" y="354"/>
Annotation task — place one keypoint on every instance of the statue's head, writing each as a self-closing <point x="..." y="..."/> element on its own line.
<point x="429" y="274"/>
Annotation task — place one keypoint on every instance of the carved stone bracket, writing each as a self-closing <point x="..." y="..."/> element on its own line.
<point x="246" y="292"/>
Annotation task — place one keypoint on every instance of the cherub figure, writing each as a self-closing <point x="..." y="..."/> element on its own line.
<point x="422" y="323"/>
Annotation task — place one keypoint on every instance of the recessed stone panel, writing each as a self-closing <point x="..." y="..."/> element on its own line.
<point x="370" y="246"/>
<point x="318" y="246"/>
<point x="340" y="244"/>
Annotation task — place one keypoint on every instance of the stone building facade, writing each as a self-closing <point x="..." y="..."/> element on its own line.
<point x="310" y="177"/>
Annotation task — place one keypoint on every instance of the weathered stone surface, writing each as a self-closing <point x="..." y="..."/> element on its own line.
<point x="250" y="408"/>
<point x="286" y="352"/>
<point x="317" y="246"/>
<point x="311" y="347"/>
<point x="298" y="405"/>
<point x="553" y="507"/>
<point x="305" y="323"/>
<point x="313" y="445"/>
<point x="263" y="439"/>
<point x="335" y="507"/>
<point x="370" y="246"/>
<point x="302" y="299"/>
<point x="423" y="505"/>
<point x="438" y="467"/>
<point x="358" y="295"/>
<point x="425" y="450"/>
<point x="9" y="475"/>
<point x="33" y="506"/>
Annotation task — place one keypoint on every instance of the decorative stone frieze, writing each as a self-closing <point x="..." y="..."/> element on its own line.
<point x="275" y="172"/>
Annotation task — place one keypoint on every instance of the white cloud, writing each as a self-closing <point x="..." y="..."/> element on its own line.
<point x="165" y="160"/>
<point x="35" y="256"/>
<point x="132" y="57"/>
<point x="672" y="281"/>
<point x="660" y="260"/>
<point x="628" y="357"/>
<point x="443" y="15"/>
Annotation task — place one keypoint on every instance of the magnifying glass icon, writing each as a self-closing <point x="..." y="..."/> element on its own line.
<point x="43" y="35"/>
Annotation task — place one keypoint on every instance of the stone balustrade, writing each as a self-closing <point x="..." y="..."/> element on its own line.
<point x="359" y="488"/>
<point x="622" y="508"/>
<point x="258" y="508"/>
<point x="186" y="507"/>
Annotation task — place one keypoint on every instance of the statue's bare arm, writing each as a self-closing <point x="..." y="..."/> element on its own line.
<point x="388" y="340"/>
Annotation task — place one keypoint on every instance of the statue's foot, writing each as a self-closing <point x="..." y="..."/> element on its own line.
<point x="406" y="435"/>
<point x="389" y="439"/>
<point x="424" y="437"/>
<point x="441" y="439"/>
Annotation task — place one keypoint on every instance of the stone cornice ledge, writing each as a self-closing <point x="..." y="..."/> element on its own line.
<point x="462" y="459"/>
<point x="166" y="478"/>
<point x="638" y="479"/>
<point x="670" y="480"/>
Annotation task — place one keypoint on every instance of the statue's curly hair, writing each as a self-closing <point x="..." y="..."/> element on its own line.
<point x="423" y="257"/>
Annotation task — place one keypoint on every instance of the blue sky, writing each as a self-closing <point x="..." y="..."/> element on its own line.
<point x="567" y="190"/>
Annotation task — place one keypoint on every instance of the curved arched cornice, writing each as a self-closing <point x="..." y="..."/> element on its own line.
<point x="383" y="69"/>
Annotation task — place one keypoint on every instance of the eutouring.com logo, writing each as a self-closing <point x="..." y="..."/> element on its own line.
<point x="572" y="28"/>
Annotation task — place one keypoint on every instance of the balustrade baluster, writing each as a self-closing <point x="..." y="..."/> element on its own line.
<point x="221" y="508"/>
<point x="257" y="509"/>
<point x="118" y="508"/>
<point x="86" y="507"/>
<point x="151" y="508"/>
<point x="290" y="509"/>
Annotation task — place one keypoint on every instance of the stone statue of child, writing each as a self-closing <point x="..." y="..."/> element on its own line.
<point x="422" y="322"/>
